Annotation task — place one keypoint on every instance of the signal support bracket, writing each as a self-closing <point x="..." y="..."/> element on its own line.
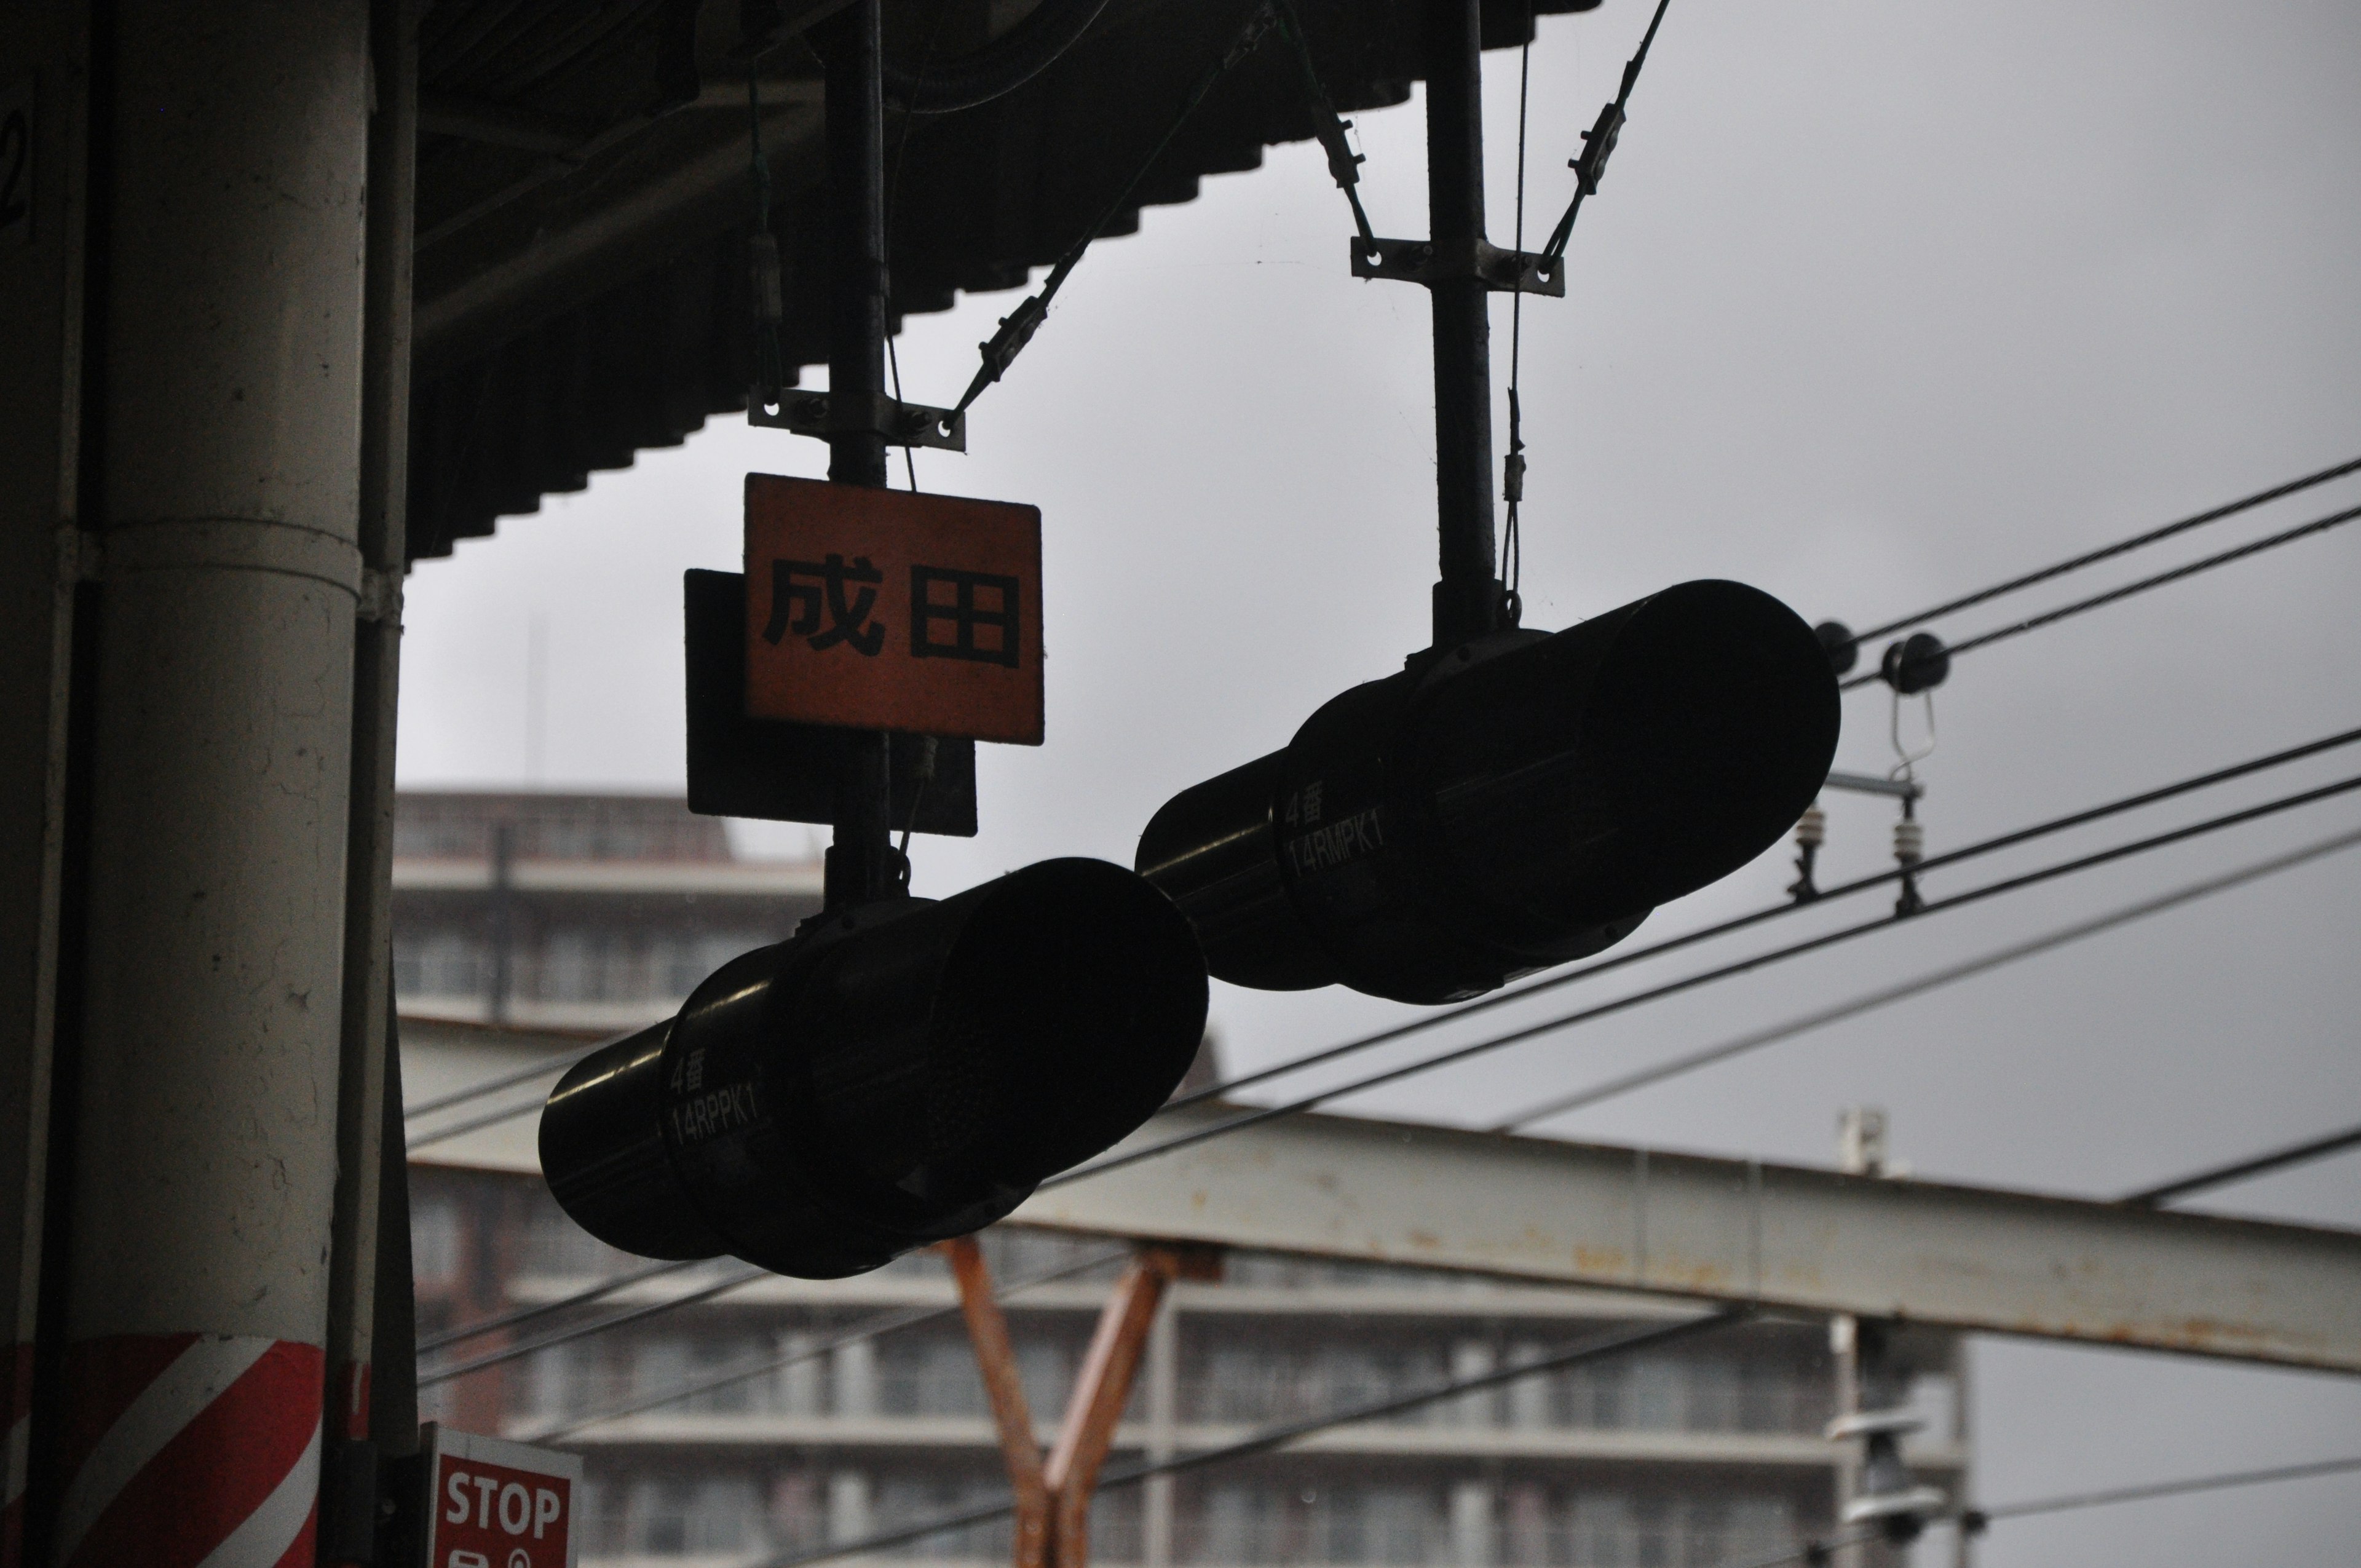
<point x="824" y="414"/>
<point x="1421" y="261"/>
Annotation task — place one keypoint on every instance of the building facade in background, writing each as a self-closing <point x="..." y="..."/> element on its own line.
<point x="1697" y="1454"/>
<point x="574" y="911"/>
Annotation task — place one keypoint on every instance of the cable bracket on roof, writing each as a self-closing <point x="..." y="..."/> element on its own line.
<point x="1420" y="262"/>
<point x="824" y="414"/>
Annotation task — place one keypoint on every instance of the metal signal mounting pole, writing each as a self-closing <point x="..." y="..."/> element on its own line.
<point x="1467" y="596"/>
<point x="861" y="860"/>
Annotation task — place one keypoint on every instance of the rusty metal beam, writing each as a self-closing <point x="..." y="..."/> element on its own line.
<point x="1100" y="1393"/>
<point x="1734" y="1230"/>
<point x="995" y="1358"/>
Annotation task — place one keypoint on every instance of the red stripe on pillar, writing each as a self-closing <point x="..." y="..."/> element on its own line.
<point x="102" y="1376"/>
<point x="216" y="1470"/>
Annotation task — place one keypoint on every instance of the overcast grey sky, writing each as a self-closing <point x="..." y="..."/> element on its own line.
<point x="1878" y="303"/>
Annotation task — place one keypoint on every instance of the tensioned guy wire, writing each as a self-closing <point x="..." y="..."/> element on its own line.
<point x="2048" y="618"/>
<point x="1688" y="982"/>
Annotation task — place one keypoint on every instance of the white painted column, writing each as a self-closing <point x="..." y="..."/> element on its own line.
<point x="1529" y="1398"/>
<point x="800" y="1379"/>
<point x="849" y="1514"/>
<point x="230" y="414"/>
<point x="852" y="1380"/>
<point x="1163" y="1397"/>
<point x="1473" y="1358"/>
<point x="1471" y="1524"/>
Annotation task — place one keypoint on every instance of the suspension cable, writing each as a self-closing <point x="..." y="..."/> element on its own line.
<point x="1601" y="1348"/>
<point x="1689" y="982"/>
<point x="1677" y="1067"/>
<point x="882" y="1324"/>
<point x="2048" y="618"/>
<point x="1770" y="911"/>
<point x="2108" y="552"/>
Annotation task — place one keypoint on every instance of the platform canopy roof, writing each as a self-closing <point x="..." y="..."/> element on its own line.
<point x="585" y="198"/>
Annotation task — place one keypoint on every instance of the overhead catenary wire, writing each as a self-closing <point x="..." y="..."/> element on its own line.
<point x="506" y="1080"/>
<point x="2108" y="552"/>
<point x="883" y="1324"/>
<point x="1627" y="957"/>
<point x="1974" y="1521"/>
<point x="2205" y="564"/>
<point x="2246" y="1170"/>
<point x="1919" y="986"/>
<point x="583" y="1331"/>
<point x="583" y="1298"/>
<point x="1600" y="1348"/>
<point x="1771" y="912"/>
<point x="1690" y="982"/>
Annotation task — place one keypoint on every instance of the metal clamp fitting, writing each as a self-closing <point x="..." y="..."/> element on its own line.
<point x="824" y="414"/>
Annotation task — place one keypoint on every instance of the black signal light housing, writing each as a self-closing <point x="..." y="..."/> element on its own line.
<point x="1506" y="806"/>
<point x="893" y="1076"/>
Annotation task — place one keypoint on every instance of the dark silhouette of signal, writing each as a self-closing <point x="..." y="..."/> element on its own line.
<point x="1515" y="802"/>
<point x="896" y="1074"/>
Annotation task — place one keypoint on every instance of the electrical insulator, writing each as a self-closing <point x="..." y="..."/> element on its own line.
<point x="894" y="1075"/>
<point x="1918" y="662"/>
<point x="1512" y="804"/>
<point x="1843" y="648"/>
<point x="1811" y="832"/>
<point x="1909" y="841"/>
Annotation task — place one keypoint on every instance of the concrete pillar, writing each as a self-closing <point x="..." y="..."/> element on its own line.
<point x="44" y="117"/>
<point x="204" y="1161"/>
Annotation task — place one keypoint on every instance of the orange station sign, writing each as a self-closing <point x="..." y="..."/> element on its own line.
<point x="882" y="610"/>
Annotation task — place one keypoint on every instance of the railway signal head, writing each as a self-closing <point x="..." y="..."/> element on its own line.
<point x="894" y="1075"/>
<point x="1517" y="802"/>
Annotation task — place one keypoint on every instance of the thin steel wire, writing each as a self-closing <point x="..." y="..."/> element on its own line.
<point x="2050" y="617"/>
<point x="1599" y="1349"/>
<point x="1690" y="982"/>
<point x="2108" y="552"/>
<point x="1770" y="911"/>
<point x="1713" y="1055"/>
<point x="884" y="1323"/>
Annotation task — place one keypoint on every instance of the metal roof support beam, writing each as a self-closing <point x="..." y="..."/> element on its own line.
<point x="1732" y="1230"/>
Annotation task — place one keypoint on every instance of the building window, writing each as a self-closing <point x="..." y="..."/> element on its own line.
<point x="938" y="1377"/>
<point x="691" y="1517"/>
<point x="440" y="964"/>
<point x="554" y="1244"/>
<point x="434" y="1239"/>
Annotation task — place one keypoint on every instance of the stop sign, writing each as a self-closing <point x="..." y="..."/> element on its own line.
<point x="495" y="1504"/>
